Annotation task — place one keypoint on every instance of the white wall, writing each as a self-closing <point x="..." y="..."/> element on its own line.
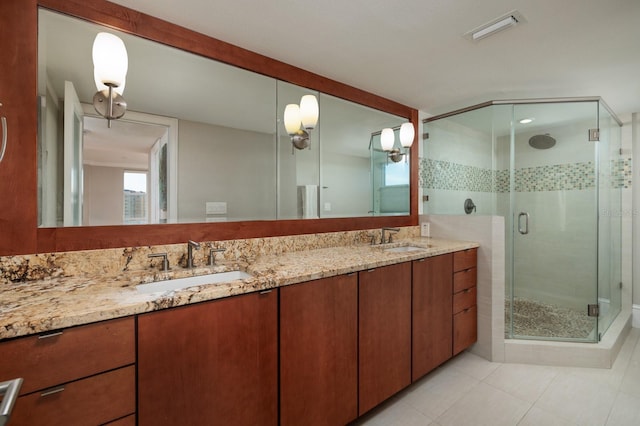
<point x="221" y="164"/>
<point x="346" y="185"/>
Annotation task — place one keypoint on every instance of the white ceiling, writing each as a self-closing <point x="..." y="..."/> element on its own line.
<point x="129" y="150"/>
<point x="414" y="52"/>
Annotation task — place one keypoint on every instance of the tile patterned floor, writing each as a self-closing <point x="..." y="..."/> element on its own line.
<point x="469" y="390"/>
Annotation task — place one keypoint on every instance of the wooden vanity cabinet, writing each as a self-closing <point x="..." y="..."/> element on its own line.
<point x="211" y="363"/>
<point x="319" y="352"/>
<point x="465" y="311"/>
<point x="432" y="342"/>
<point x="80" y="375"/>
<point x="384" y="339"/>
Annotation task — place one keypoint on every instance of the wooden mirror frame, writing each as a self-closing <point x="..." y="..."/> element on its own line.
<point x="19" y="233"/>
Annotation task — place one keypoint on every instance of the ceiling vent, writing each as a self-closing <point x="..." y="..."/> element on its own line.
<point x="503" y="22"/>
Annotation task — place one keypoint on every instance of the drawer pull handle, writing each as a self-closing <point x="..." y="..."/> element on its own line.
<point x="266" y="291"/>
<point x="3" y="148"/>
<point x="351" y="274"/>
<point x="467" y="290"/>
<point x="466" y="310"/>
<point x="52" y="391"/>
<point x="371" y="270"/>
<point x="48" y="335"/>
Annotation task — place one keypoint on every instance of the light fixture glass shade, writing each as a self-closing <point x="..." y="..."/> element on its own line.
<point x="292" y="118"/>
<point x="100" y="86"/>
<point x="387" y="138"/>
<point x="407" y="134"/>
<point x="110" y="60"/>
<point x="309" y="111"/>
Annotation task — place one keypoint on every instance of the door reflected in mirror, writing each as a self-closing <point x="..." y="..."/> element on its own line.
<point x="208" y="140"/>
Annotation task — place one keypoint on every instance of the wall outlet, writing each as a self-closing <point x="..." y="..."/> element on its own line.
<point x="327" y="207"/>
<point x="216" y="207"/>
<point x="425" y="229"/>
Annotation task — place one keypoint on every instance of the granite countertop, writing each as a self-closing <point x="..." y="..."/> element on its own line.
<point x="49" y="304"/>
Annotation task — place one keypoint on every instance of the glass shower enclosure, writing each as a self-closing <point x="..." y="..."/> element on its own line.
<point x="553" y="169"/>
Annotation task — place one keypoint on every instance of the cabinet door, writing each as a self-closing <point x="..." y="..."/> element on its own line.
<point x="432" y="313"/>
<point x="384" y="338"/>
<point x="213" y="363"/>
<point x="18" y="87"/>
<point x="318" y="352"/>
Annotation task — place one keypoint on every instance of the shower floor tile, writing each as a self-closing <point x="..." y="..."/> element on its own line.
<point x="532" y="318"/>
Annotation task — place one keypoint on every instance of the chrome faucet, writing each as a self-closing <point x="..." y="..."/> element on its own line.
<point x="190" y="246"/>
<point x="165" y="260"/>
<point x="384" y="231"/>
<point x="212" y="255"/>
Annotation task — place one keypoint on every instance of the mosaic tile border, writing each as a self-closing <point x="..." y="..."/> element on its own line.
<point x="437" y="174"/>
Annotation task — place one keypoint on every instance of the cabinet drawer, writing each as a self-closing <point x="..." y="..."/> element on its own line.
<point x="465" y="329"/>
<point x="50" y="359"/>
<point x="464" y="299"/>
<point x="465" y="279"/>
<point x="95" y="400"/>
<point x="465" y="259"/>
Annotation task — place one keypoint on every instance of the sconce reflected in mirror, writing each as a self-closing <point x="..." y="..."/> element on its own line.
<point x="299" y="120"/>
<point x="110" y="65"/>
<point x="387" y="141"/>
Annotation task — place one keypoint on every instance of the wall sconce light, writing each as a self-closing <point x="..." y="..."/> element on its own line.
<point x="300" y="120"/>
<point x="387" y="141"/>
<point x="110" y="65"/>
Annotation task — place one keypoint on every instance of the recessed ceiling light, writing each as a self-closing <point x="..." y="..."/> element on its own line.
<point x="500" y="23"/>
<point x="526" y="120"/>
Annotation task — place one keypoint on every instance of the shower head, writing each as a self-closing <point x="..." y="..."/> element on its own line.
<point x="542" y="141"/>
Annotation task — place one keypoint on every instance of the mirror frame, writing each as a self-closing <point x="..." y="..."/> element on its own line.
<point x="18" y="173"/>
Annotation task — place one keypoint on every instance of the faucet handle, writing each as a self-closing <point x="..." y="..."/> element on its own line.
<point x="165" y="260"/>
<point x="212" y="252"/>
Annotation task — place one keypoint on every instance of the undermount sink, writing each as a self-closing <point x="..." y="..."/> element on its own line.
<point x="180" y="283"/>
<point x="403" y="249"/>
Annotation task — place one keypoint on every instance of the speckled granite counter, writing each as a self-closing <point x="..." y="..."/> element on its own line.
<point x="52" y="303"/>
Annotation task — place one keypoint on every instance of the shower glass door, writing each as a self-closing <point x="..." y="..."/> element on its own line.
<point x="554" y="207"/>
<point x="611" y="180"/>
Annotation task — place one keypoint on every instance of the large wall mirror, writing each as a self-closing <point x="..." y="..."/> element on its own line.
<point x="201" y="141"/>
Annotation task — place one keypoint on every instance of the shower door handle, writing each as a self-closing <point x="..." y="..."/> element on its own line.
<point x="525" y="230"/>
